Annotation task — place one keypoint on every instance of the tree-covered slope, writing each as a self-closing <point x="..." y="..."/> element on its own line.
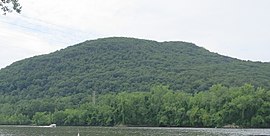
<point x="127" y="64"/>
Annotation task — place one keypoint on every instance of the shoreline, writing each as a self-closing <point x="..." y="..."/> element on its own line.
<point x="135" y="127"/>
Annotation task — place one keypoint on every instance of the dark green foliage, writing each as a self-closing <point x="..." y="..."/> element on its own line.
<point x="57" y="88"/>
<point x="126" y="64"/>
<point x="244" y="106"/>
<point x="7" y="6"/>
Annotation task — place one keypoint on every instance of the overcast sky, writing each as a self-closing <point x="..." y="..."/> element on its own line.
<point x="236" y="28"/>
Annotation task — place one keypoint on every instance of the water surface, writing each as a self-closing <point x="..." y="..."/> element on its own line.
<point x="126" y="131"/>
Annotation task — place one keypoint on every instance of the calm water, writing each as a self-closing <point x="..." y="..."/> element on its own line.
<point x="126" y="131"/>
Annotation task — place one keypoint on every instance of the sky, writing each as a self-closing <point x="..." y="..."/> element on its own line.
<point x="235" y="28"/>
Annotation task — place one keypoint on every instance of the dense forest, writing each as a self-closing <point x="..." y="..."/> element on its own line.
<point x="244" y="106"/>
<point x="127" y="64"/>
<point x="137" y="82"/>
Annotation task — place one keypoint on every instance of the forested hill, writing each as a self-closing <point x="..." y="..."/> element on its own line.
<point x="127" y="64"/>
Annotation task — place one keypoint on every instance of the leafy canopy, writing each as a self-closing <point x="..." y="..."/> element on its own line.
<point x="127" y="64"/>
<point x="8" y="6"/>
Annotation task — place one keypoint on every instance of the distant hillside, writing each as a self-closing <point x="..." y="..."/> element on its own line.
<point x="127" y="64"/>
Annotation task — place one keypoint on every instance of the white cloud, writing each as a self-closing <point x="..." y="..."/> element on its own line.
<point x="233" y="28"/>
<point x="92" y="15"/>
<point x="17" y="45"/>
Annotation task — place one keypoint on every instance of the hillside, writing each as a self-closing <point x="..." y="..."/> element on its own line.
<point x="127" y="64"/>
<point x="137" y="83"/>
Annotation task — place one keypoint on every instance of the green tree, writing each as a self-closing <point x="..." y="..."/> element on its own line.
<point x="8" y="6"/>
<point x="75" y="117"/>
<point x="42" y="118"/>
<point x="19" y="119"/>
<point x="59" y="117"/>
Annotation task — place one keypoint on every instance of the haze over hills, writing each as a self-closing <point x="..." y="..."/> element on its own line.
<point x="126" y="64"/>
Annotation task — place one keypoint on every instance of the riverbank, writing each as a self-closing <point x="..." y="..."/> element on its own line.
<point x="130" y="131"/>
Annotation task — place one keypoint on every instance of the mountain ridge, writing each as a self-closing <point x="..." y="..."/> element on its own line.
<point x="118" y="64"/>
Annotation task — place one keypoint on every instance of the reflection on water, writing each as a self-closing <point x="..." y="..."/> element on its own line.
<point x="126" y="131"/>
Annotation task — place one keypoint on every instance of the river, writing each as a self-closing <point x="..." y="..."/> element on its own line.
<point x="126" y="131"/>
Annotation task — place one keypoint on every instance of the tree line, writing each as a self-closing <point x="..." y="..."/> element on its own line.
<point x="245" y="106"/>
